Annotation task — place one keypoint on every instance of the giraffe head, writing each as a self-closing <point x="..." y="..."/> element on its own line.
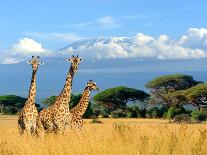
<point x="35" y="62"/>
<point x="92" y="85"/>
<point x="75" y="60"/>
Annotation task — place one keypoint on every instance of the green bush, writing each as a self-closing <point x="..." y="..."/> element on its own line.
<point x="119" y="113"/>
<point x="173" y="111"/>
<point x="132" y="112"/>
<point x="153" y="113"/>
<point x="199" y="115"/>
<point x="182" y="118"/>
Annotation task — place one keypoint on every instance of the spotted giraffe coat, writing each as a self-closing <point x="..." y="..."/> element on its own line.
<point x="28" y="115"/>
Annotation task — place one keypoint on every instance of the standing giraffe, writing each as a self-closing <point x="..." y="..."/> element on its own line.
<point x="57" y="117"/>
<point x="28" y="115"/>
<point x="78" y="111"/>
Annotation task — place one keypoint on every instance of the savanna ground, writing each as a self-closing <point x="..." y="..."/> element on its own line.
<point x="113" y="136"/>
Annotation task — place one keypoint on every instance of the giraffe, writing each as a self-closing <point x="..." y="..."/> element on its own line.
<point x="56" y="118"/>
<point x="78" y="111"/>
<point x="28" y="115"/>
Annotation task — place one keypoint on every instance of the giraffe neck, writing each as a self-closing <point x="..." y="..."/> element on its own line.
<point x="65" y="94"/>
<point x="32" y="90"/>
<point x="82" y="106"/>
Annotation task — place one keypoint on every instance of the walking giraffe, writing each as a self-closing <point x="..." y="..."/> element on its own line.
<point x="57" y="117"/>
<point x="28" y="115"/>
<point x="78" y="111"/>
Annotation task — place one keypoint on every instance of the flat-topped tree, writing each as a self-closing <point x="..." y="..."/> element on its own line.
<point x="161" y="86"/>
<point x="119" y="96"/>
<point x="196" y="96"/>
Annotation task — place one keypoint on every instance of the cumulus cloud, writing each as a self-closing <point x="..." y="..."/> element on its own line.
<point x="23" y="49"/>
<point x="191" y="45"/>
<point x="194" y="38"/>
<point x="28" y="46"/>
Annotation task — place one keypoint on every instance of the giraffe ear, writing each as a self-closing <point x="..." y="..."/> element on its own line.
<point x="81" y="60"/>
<point x="68" y="60"/>
<point x="29" y="62"/>
<point x="41" y="63"/>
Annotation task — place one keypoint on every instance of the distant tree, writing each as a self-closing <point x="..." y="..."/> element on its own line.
<point x="196" y="96"/>
<point x="162" y="86"/>
<point x="118" y="97"/>
<point x="75" y="98"/>
<point x="50" y="100"/>
<point x="12" y="104"/>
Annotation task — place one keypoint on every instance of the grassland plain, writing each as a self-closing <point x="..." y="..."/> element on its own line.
<point x="113" y="136"/>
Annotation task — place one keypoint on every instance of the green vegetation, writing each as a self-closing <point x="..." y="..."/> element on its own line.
<point x="162" y="86"/>
<point x="12" y="104"/>
<point x="196" y="95"/>
<point x="118" y="97"/>
<point x="176" y="97"/>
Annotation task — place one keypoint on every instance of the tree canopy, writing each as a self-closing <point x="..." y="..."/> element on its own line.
<point x="164" y="85"/>
<point x="196" y="95"/>
<point x="119" y="96"/>
<point x="12" y="103"/>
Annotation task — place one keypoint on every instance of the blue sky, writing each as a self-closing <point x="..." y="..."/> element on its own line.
<point x="57" y="23"/>
<point x="156" y="29"/>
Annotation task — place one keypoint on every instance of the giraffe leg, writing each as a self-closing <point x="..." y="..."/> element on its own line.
<point x="39" y="128"/>
<point x="79" y="124"/>
<point x="21" y="129"/>
<point x="33" y="128"/>
<point x="21" y="126"/>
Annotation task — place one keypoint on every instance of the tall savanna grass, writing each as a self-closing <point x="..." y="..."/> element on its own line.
<point x="113" y="136"/>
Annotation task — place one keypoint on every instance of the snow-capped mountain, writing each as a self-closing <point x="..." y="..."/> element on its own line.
<point x="122" y="41"/>
<point x="140" y="46"/>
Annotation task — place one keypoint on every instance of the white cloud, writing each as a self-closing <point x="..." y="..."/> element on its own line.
<point x="23" y="49"/>
<point x="108" y="22"/>
<point x="141" y="39"/>
<point x="191" y="45"/>
<point x="195" y="38"/>
<point x="144" y="46"/>
<point x="67" y="37"/>
<point x="9" y="60"/>
<point x="105" y="22"/>
<point x="28" y="46"/>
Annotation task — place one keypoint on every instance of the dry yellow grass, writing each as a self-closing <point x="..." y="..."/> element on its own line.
<point x="113" y="136"/>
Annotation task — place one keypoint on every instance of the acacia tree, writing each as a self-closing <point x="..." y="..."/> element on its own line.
<point x="12" y="104"/>
<point x="118" y="97"/>
<point x="196" y="96"/>
<point x="162" y="86"/>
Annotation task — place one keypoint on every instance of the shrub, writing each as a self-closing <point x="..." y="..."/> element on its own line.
<point x="131" y="114"/>
<point x="153" y="113"/>
<point x="118" y="113"/>
<point x="103" y="116"/>
<point x="199" y="115"/>
<point x="173" y="111"/>
<point x="95" y="119"/>
<point x="182" y="118"/>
